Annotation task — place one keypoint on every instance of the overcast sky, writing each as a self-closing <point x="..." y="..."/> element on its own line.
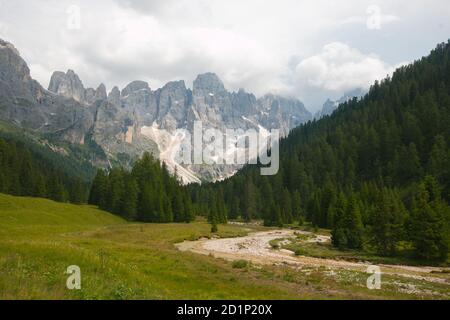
<point x="308" y="49"/>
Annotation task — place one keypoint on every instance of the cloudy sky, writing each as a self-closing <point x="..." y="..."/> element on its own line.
<point x="308" y="49"/>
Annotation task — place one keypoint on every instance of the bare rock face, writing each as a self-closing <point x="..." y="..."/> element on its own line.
<point x="244" y="103"/>
<point x="67" y="85"/>
<point x="135" y="86"/>
<point x="283" y="113"/>
<point x="114" y="97"/>
<point x="15" y="79"/>
<point x="90" y="95"/>
<point x="100" y="93"/>
<point x="126" y="123"/>
<point x="173" y="101"/>
<point x="207" y="84"/>
<point x="26" y="104"/>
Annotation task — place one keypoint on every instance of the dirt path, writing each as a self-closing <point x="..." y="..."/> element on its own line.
<point x="255" y="247"/>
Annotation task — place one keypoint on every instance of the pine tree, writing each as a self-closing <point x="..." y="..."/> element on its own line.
<point x="178" y="208"/>
<point x="250" y="201"/>
<point x="97" y="195"/>
<point x="297" y="210"/>
<point x="354" y="226"/>
<point x="116" y="191"/>
<point x="130" y="201"/>
<point x="429" y="220"/>
<point x="387" y="222"/>
<point x="188" y="209"/>
<point x="78" y="192"/>
<point x="146" y="208"/>
<point x="286" y="207"/>
<point x="235" y="210"/>
<point x="315" y="210"/>
<point x="439" y="161"/>
<point x="338" y="234"/>
<point x="408" y="166"/>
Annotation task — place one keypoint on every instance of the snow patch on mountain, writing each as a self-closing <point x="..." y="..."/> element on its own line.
<point x="169" y="145"/>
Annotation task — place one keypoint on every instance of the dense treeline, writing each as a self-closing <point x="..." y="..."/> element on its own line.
<point x="147" y="193"/>
<point x="24" y="172"/>
<point x="376" y="172"/>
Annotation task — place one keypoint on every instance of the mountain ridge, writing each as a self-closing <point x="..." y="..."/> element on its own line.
<point x="114" y="120"/>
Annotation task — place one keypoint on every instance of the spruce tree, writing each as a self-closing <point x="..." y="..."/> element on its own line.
<point x="429" y="220"/>
<point x="338" y="234"/>
<point x="130" y="201"/>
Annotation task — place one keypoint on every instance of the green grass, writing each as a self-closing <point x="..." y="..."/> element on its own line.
<point x="39" y="239"/>
<point x="29" y="217"/>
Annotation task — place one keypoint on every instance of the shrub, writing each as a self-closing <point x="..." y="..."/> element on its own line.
<point x="300" y="252"/>
<point x="240" y="264"/>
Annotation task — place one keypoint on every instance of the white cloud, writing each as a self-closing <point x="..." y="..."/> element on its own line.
<point x="339" y="68"/>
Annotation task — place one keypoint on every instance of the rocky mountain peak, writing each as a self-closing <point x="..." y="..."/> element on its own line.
<point x="114" y="96"/>
<point x="13" y="67"/>
<point x="5" y="45"/>
<point x="135" y="86"/>
<point x="100" y="93"/>
<point x="15" y="76"/>
<point x="68" y="85"/>
<point x="175" y="85"/>
<point x="208" y="84"/>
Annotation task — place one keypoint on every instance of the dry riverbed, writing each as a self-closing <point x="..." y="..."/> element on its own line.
<point x="256" y="248"/>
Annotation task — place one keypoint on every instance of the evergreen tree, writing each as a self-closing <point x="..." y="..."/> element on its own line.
<point x="130" y="201"/>
<point x="339" y="235"/>
<point x="250" y="201"/>
<point x="78" y="192"/>
<point x="429" y="220"/>
<point x="297" y="210"/>
<point x="178" y="208"/>
<point x="354" y="226"/>
<point x="99" y="188"/>
<point x="286" y="207"/>
<point x="387" y="222"/>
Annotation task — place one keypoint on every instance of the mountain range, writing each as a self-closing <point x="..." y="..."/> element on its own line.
<point x="117" y="127"/>
<point x="331" y="106"/>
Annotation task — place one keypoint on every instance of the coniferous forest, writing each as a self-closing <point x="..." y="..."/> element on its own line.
<point x="24" y="171"/>
<point x="147" y="193"/>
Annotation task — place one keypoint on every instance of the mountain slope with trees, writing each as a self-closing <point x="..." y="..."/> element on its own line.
<point x="376" y="172"/>
<point x="28" y="168"/>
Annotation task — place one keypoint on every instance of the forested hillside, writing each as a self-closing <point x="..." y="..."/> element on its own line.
<point x="27" y="170"/>
<point x="376" y="172"/>
<point x="147" y="193"/>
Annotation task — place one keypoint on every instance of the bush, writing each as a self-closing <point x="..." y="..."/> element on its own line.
<point x="274" y="244"/>
<point x="240" y="264"/>
<point x="300" y="252"/>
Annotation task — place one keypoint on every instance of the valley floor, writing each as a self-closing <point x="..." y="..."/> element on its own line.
<point x="267" y="248"/>
<point x="39" y="239"/>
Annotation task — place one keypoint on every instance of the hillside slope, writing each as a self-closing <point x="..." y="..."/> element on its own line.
<point x="33" y="166"/>
<point x="22" y="217"/>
